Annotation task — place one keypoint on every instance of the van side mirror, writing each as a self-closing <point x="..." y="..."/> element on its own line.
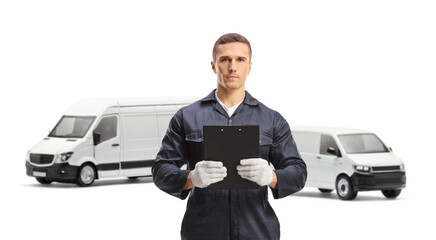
<point x="333" y="151"/>
<point x="96" y="137"/>
<point x="390" y="149"/>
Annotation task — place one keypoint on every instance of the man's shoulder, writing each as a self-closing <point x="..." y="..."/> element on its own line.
<point x="267" y="110"/>
<point x="193" y="107"/>
<point x="271" y="114"/>
<point x="254" y="102"/>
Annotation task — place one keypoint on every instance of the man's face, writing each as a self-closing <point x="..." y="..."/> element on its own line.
<point x="232" y="65"/>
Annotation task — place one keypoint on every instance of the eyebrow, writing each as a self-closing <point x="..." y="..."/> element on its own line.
<point x="231" y="57"/>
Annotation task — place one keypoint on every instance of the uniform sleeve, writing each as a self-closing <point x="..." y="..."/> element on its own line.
<point x="289" y="166"/>
<point x="166" y="171"/>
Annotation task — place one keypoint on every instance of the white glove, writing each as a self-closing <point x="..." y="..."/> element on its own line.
<point x="208" y="172"/>
<point x="256" y="170"/>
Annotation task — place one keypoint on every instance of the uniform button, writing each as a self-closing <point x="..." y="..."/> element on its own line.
<point x="230" y="120"/>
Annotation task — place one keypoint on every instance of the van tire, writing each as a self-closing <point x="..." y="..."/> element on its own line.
<point x="324" y="190"/>
<point x="86" y="175"/>
<point x="43" y="180"/>
<point x="391" y="193"/>
<point x="345" y="188"/>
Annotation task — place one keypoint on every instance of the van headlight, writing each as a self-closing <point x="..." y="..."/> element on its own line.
<point x="62" y="158"/>
<point x="361" y="168"/>
<point x="402" y="167"/>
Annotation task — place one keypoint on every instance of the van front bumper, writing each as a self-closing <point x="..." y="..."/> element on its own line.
<point x="378" y="181"/>
<point x="62" y="172"/>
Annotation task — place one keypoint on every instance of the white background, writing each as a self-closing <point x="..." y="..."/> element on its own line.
<point x="363" y="64"/>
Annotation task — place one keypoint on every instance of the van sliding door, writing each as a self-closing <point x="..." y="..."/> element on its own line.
<point x="140" y="141"/>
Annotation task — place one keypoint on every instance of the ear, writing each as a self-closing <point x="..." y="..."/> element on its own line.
<point x="213" y="66"/>
<point x="249" y="68"/>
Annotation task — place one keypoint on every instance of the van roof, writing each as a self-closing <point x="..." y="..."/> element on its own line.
<point x="328" y="130"/>
<point x="95" y="107"/>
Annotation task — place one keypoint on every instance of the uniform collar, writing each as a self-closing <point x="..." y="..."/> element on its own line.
<point x="248" y="100"/>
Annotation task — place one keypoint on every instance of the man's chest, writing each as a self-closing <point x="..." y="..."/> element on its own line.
<point x="194" y="122"/>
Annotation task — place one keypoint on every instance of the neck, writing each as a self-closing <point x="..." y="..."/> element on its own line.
<point x="230" y="97"/>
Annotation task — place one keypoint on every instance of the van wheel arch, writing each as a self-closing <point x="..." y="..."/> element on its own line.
<point x="345" y="188"/>
<point x="91" y="160"/>
<point x="91" y="171"/>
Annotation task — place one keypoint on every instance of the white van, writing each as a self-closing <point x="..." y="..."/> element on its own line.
<point x="102" y="138"/>
<point x="349" y="160"/>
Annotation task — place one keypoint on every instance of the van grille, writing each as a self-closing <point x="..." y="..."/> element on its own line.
<point x="41" y="158"/>
<point x="379" y="180"/>
<point x="388" y="179"/>
<point x="386" y="168"/>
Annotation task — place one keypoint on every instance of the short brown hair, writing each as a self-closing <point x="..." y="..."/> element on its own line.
<point x="229" y="38"/>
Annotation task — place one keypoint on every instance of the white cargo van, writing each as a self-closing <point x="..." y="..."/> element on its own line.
<point x="349" y="160"/>
<point x="102" y="138"/>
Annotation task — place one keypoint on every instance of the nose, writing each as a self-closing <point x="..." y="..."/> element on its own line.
<point x="232" y="66"/>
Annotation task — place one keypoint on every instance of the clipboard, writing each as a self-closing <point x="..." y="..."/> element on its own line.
<point x="230" y="144"/>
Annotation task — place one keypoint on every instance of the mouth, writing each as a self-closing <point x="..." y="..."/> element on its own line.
<point x="232" y="77"/>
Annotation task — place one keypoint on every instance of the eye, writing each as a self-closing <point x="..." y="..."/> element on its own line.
<point x="241" y="59"/>
<point x="225" y="59"/>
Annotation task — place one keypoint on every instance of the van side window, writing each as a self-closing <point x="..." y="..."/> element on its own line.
<point x="326" y="142"/>
<point x="107" y="128"/>
<point x="307" y="142"/>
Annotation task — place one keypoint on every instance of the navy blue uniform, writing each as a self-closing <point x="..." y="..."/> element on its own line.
<point x="226" y="213"/>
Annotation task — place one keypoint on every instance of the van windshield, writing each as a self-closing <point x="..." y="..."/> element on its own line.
<point x="72" y="127"/>
<point x="362" y="143"/>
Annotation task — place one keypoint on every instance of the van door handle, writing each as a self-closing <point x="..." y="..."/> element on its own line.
<point x="115" y="145"/>
<point x="318" y="157"/>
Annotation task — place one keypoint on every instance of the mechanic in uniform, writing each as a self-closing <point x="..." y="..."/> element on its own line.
<point x="229" y="213"/>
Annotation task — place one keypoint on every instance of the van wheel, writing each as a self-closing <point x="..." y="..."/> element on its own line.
<point x="345" y="189"/>
<point x="392" y="193"/>
<point x="323" y="190"/>
<point x="43" y="180"/>
<point x="85" y="175"/>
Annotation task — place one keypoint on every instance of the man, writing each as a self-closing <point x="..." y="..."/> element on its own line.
<point x="229" y="213"/>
